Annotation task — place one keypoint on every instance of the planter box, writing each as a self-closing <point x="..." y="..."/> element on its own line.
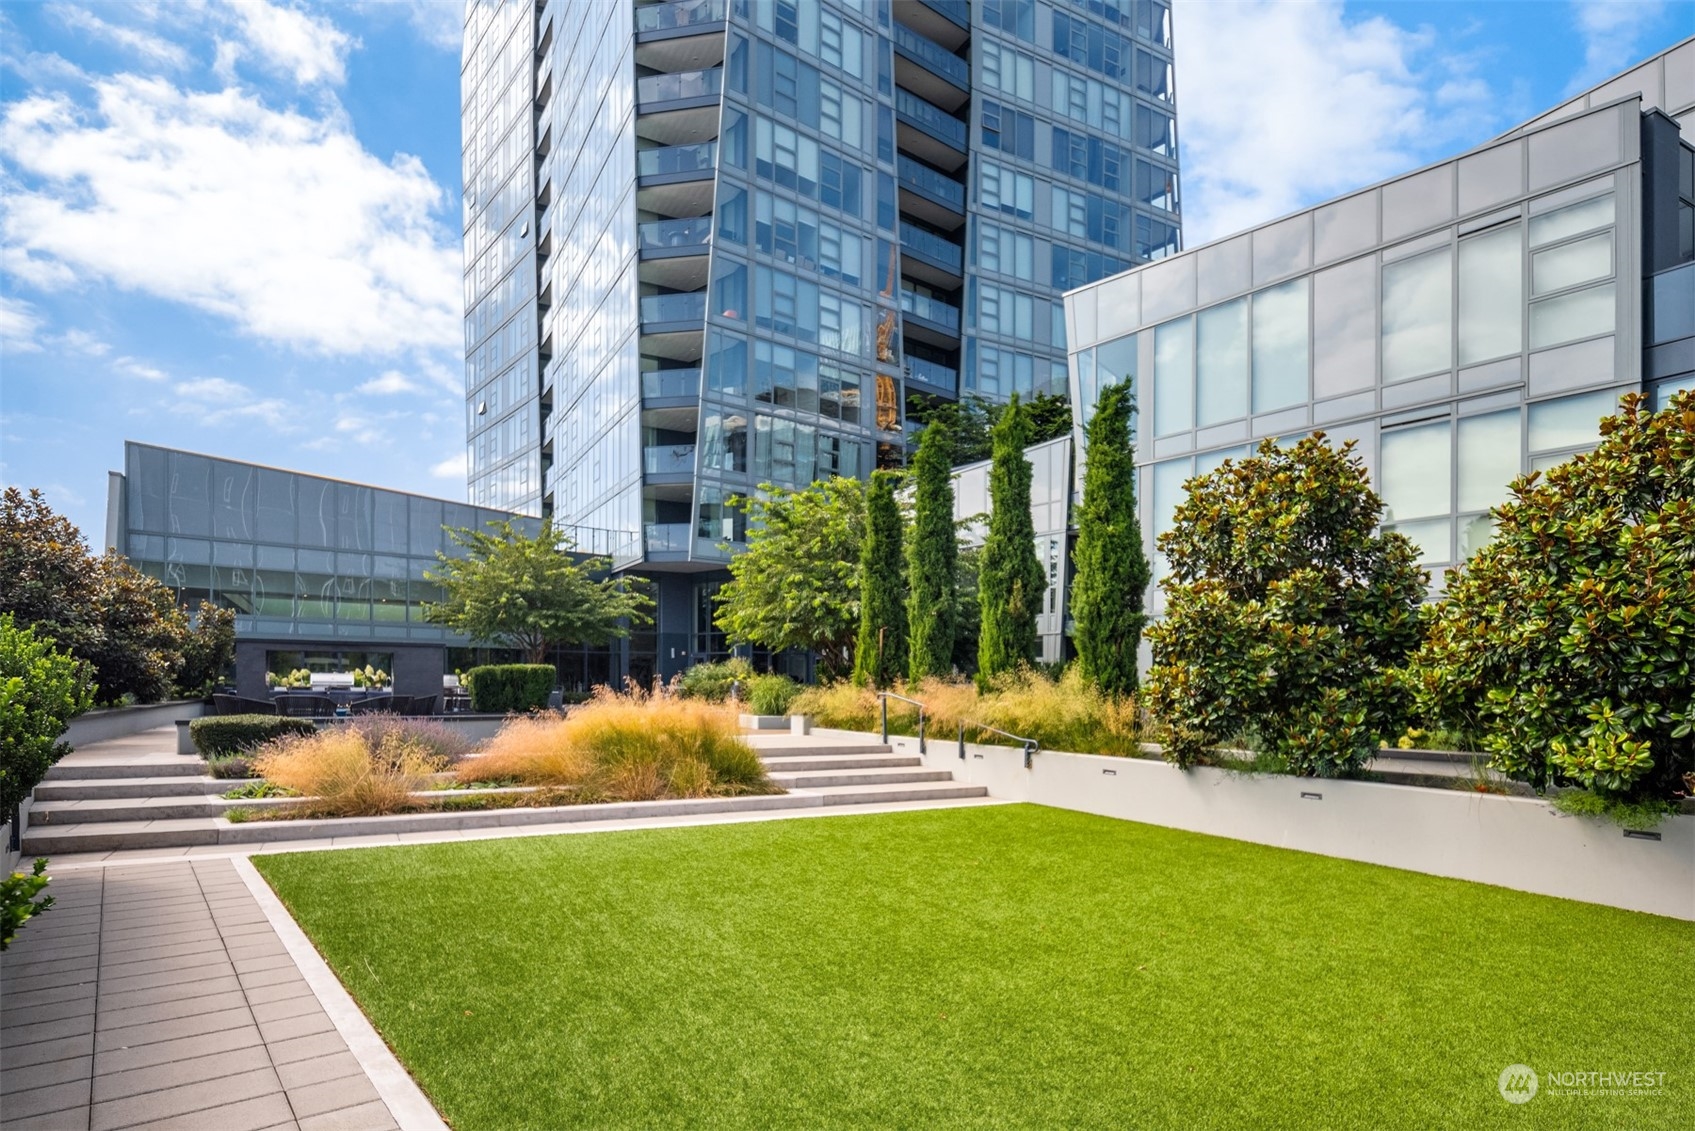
<point x="763" y="722"/>
<point x="1513" y="842"/>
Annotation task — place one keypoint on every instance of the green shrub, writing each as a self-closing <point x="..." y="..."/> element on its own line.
<point x="771" y="694"/>
<point x="712" y="681"/>
<point x="500" y="689"/>
<point x="222" y="735"/>
<point x="18" y="903"/>
<point x="231" y="766"/>
<point x="1568" y="642"/>
<point x="41" y="689"/>
<point x="1288" y="615"/>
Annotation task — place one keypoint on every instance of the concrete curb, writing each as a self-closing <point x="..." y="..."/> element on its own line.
<point x="404" y="1099"/>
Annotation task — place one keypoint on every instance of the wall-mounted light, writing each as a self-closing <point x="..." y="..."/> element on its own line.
<point x="1305" y="796"/>
<point x="1640" y="834"/>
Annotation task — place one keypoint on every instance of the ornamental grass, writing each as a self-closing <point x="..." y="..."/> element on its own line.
<point x="342" y="772"/>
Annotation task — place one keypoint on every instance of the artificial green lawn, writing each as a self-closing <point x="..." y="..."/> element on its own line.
<point x="1005" y="966"/>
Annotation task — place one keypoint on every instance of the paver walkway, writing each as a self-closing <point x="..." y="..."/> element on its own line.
<point x="160" y="996"/>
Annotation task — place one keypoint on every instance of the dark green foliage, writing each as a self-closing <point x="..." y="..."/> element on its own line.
<point x="968" y="627"/>
<point x="499" y="689"/>
<point x="712" y="681"/>
<point x="771" y="694"/>
<point x="139" y="648"/>
<point x="1010" y="584"/>
<point x="18" y="902"/>
<point x="221" y="736"/>
<point x="1287" y="613"/>
<point x="208" y="650"/>
<point x="1111" y="567"/>
<point x="41" y="689"/>
<point x="1568" y="642"/>
<point x="528" y="591"/>
<point x="48" y="573"/>
<point x="970" y="424"/>
<point x="880" y="651"/>
<point x="932" y="606"/>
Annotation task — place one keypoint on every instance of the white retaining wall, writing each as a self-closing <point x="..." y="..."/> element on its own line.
<point x="121" y="722"/>
<point x="1513" y="842"/>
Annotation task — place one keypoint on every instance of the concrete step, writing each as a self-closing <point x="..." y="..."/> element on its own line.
<point x="91" y="789"/>
<point x="111" y="835"/>
<point x="101" y="811"/>
<point x="915" y="791"/>
<point x="794" y="747"/>
<point x="831" y="779"/>
<point x="150" y="766"/>
<point x="790" y="763"/>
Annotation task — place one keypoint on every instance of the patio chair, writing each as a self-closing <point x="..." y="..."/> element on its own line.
<point x="241" y="705"/>
<point x="372" y="705"/>
<point x="310" y="706"/>
<point x="420" y="706"/>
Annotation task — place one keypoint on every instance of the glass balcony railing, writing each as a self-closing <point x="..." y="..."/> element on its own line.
<point x="931" y="310"/>
<point x="931" y="118"/>
<point x="930" y="245"/>
<point x="685" y="84"/>
<point x="933" y="373"/>
<point x="669" y="537"/>
<point x="926" y="181"/>
<point x="689" y="307"/>
<point x="959" y="11"/>
<point x="701" y="156"/>
<point x="669" y="459"/>
<point x="660" y="384"/>
<point x="679" y="13"/>
<point x="934" y="56"/>
<point x="660" y="234"/>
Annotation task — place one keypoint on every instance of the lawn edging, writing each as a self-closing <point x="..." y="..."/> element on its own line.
<point x="1513" y="842"/>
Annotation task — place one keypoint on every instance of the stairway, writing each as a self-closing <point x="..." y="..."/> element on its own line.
<point x="130" y="794"/>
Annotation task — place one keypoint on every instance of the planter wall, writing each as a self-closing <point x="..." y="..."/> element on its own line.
<point x="120" y="722"/>
<point x="1512" y="842"/>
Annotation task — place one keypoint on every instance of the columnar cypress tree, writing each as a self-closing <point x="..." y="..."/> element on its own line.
<point x="880" y="658"/>
<point x="1012" y="583"/>
<point x="1112" y="569"/>
<point x="932" y="608"/>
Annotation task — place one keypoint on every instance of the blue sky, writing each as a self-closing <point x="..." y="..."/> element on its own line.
<point x="233" y="225"/>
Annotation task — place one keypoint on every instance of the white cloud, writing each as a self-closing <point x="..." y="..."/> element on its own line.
<point x="439" y="23"/>
<point x="287" y="41"/>
<point x="19" y="325"/>
<point x="1281" y="105"/>
<point x="148" y="46"/>
<point x="389" y="383"/>
<point x="214" y="389"/>
<point x="1611" y="30"/>
<point x="280" y="222"/>
<point x="453" y="467"/>
<point x="130" y="367"/>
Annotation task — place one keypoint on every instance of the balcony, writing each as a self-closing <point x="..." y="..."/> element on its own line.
<point x="669" y="537"/>
<point x="941" y="253"/>
<point x="668" y="459"/>
<point x="672" y="88"/>
<point x="944" y="197"/>
<point x="931" y="132"/>
<point x="689" y="307"/>
<point x="943" y="316"/>
<point x="679" y="14"/>
<point x="670" y="384"/>
<point x="690" y="235"/>
<point x="677" y="161"/>
<point x="934" y="59"/>
<point x="931" y="373"/>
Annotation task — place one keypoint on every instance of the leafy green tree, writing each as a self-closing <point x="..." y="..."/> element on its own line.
<point x="208" y="650"/>
<point x="968" y="627"/>
<point x="932" y="608"/>
<point x="797" y="584"/>
<point x="41" y="689"/>
<point x="971" y="420"/>
<point x="1288" y="614"/>
<point x="880" y="651"/>
<point x="138" y="648"/>
<point x="528" y="591"/>
<point x="48" y="573"/>
<point x="1111" y="566"/>
<point x="1011" y="583"/>
<point x="1049" y="417"/>
<point x="1568" y="642"/>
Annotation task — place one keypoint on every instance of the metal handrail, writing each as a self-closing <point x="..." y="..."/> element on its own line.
<point x="1030" y="745"/>
<point x="883" y="698"/>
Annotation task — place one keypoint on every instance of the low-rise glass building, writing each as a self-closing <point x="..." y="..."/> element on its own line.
<point x="1462" y="324"/>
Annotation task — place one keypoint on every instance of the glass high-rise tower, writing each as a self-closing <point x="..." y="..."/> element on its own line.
<point x="716" y="243"/>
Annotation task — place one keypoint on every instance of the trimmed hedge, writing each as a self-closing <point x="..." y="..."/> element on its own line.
<point x="220" y="736"/>
<point x="498" y="689"/>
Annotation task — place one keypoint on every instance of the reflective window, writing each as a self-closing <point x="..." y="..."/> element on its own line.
<point x="1488" y="458"/>
<point x="1491" y="295"/>
<point x="1345" y="227"/>
<point x="1282" y="248"/>
<point x="1416" y="475"/>
<point x="1571" y="220"/>
<point x="1344" y="305"/>
<point x="1673" y="305"/>
<point x="1570" y="422"/>
<point x="1221" y="363"/>
<point x="1429" y="536"/>
<point x="1581" y="261"/>
<point x="1418" y="315"/>
<point x="1115" y="362"/>
<point x="1174" y="377"/>
<point x="1280" y="346"/>
<point x="1568" y="317"/>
